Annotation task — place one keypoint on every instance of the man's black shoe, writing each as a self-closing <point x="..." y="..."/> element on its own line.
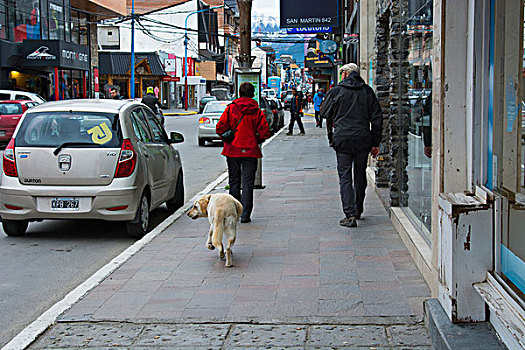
<point x="288" y="134"/>
<point x="358" y="216"/>
<point x="348" y="222"/>
<point x="245" y="220"/>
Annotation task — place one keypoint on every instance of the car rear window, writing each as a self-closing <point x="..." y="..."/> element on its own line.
<point x="10" y="108"/>
<point x="46" y="129"/>
<point x="215" y="107"/>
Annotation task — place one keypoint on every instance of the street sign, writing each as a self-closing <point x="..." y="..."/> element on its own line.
<point x="328" y="46"/>
<point x="309" y="13"/>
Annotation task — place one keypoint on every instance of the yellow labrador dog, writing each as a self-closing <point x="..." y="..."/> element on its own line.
<point x="223" y="212"/>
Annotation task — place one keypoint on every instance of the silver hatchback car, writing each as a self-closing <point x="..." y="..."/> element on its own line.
<point x="209" y="119"/>
<point x="89" y="159"/>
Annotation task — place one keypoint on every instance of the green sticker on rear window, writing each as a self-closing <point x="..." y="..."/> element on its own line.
<point x="100" y="134"/>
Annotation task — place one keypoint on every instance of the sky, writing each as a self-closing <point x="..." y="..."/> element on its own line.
<point x="267" y="7"/>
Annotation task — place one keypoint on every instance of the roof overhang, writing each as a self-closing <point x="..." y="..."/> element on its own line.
<point x="103" y="8"/>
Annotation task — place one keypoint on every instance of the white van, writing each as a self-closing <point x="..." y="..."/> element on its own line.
<point x="269" y="93"/>
<point x="20" y="95"/>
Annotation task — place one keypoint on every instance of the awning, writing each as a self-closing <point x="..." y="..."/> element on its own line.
<point x="120" y="62"/>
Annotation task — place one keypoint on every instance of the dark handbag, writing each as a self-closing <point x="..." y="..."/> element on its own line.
<point x="229" y="135"/>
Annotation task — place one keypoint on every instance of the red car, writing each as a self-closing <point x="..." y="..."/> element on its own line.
<point x="10" y="114"/>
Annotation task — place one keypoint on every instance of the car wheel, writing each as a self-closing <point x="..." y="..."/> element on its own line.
<point x="15" y="228"/>
<point x="178" y="199"/>
<point x="138" y="227"/>
<point x="202" y="142"/>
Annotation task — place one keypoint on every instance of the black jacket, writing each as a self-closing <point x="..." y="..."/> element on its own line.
<point x="152" y="102"/>
<point x="352" y="110"/>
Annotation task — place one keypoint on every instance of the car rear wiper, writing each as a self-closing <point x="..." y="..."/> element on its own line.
<point x="71" y="143"/>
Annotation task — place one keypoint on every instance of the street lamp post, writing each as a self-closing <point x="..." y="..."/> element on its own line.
<point x="186" y="52"/>
<point x="132" y="80"/>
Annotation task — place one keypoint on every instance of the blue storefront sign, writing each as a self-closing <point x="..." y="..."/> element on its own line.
<point x="309" y="30"/>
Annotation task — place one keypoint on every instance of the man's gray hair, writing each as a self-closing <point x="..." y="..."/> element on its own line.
<point x="349" y="68"/>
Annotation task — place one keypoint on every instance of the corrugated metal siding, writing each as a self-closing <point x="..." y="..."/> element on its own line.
<point x="119" y="62"/>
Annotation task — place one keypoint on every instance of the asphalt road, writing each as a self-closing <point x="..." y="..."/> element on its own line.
<point x="54" y="257"/>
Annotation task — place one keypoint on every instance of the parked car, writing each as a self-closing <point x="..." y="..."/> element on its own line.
<point x="288" y="99"/>
<point x="207" y="122"/>
<point x="20" y="95"/>
<point x="10" y="114"/>
<point x="264" y="105"/>
<point x="89" y="159"/>
<point x="222" y="94"/>
<point x="269" y="93"/>
<point x="278" y="114"/>
<point x="205" y="100"/>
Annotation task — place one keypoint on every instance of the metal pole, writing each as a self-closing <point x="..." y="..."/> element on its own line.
<point x="186" y="53"/>
<point x="226" y="56"/>
<point x="132" y="80"/>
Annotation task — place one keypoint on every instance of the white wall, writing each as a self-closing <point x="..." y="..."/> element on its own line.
<point x="260" y="62"/>
<point x="144" y="43"/>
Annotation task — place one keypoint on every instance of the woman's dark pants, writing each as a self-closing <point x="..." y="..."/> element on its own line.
<point x="242" y="170"/>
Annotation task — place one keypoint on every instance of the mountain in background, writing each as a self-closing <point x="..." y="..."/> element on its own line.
<point x="265" y="26"/>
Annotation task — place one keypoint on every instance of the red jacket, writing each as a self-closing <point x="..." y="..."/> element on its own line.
<point x="252" y="130"/>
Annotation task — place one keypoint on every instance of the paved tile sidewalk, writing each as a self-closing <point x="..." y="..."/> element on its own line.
<point x="299" y="281"/>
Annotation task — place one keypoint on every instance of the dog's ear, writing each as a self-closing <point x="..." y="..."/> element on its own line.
<point x="206" y="199"/>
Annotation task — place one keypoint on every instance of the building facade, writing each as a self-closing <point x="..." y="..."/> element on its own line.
<point x="450" y="79"/>
<point x="50" y="45"/>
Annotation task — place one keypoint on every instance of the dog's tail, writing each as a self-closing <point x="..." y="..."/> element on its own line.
<point x="239" y="208"/>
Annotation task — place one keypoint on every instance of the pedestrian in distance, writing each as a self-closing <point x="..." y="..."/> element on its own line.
<point x="353" y="123"/>
<point x="318" y="100"/>
<point x="153" y="102"/>
<point x="296" y="109"/>
<point x="246" y="119"/>
<point x="114" y="93"/>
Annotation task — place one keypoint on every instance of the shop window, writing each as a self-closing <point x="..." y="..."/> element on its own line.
<point x="417" y="199"/>
<point x="508" y="151"/>
<point x="27" y="20"/>
<point x="3" y="20"/>
<point x="56" y="21"/>
<point x="75" y="27"/>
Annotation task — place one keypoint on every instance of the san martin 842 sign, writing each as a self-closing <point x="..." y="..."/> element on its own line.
<point x="309" y="13"/>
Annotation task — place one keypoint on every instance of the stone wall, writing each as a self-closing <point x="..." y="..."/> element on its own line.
<point x="382" y="84"/>
<point x="392" y="87"/>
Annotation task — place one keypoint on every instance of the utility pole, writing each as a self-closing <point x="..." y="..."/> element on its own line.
<point x="132" y="79"/>
<point x="245" y="25"/>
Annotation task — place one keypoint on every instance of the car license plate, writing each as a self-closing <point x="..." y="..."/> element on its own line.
<point x="64" y="204"/>
<point x="215" y="121"/>
<point x="2" y="132"/>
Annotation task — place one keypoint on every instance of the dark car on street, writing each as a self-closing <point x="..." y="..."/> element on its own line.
<point x="204" y="101"/>
<point x="288" y="99"/>
<point x="278" y="114"/>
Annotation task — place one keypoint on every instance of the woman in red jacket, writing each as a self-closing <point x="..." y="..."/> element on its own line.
<point x="244" y="116"/>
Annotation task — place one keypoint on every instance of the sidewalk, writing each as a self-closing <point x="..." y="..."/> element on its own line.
<point x="299" y="281"/>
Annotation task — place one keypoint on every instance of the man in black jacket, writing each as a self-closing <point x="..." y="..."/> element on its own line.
<point x="152" y="102"/>
<point x="354" y="122"/>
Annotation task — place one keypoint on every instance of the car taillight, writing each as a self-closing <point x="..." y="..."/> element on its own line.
<point x="204" y="120"/>
<point x="9" y="159"/>
<point x="127" y="159"/>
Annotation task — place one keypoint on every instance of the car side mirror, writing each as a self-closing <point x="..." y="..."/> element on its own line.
<point x="176" y="137"/>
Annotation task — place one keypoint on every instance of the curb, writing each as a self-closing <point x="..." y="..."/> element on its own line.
<point x="29" y="334"/>
<point x="180" y="113"/>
